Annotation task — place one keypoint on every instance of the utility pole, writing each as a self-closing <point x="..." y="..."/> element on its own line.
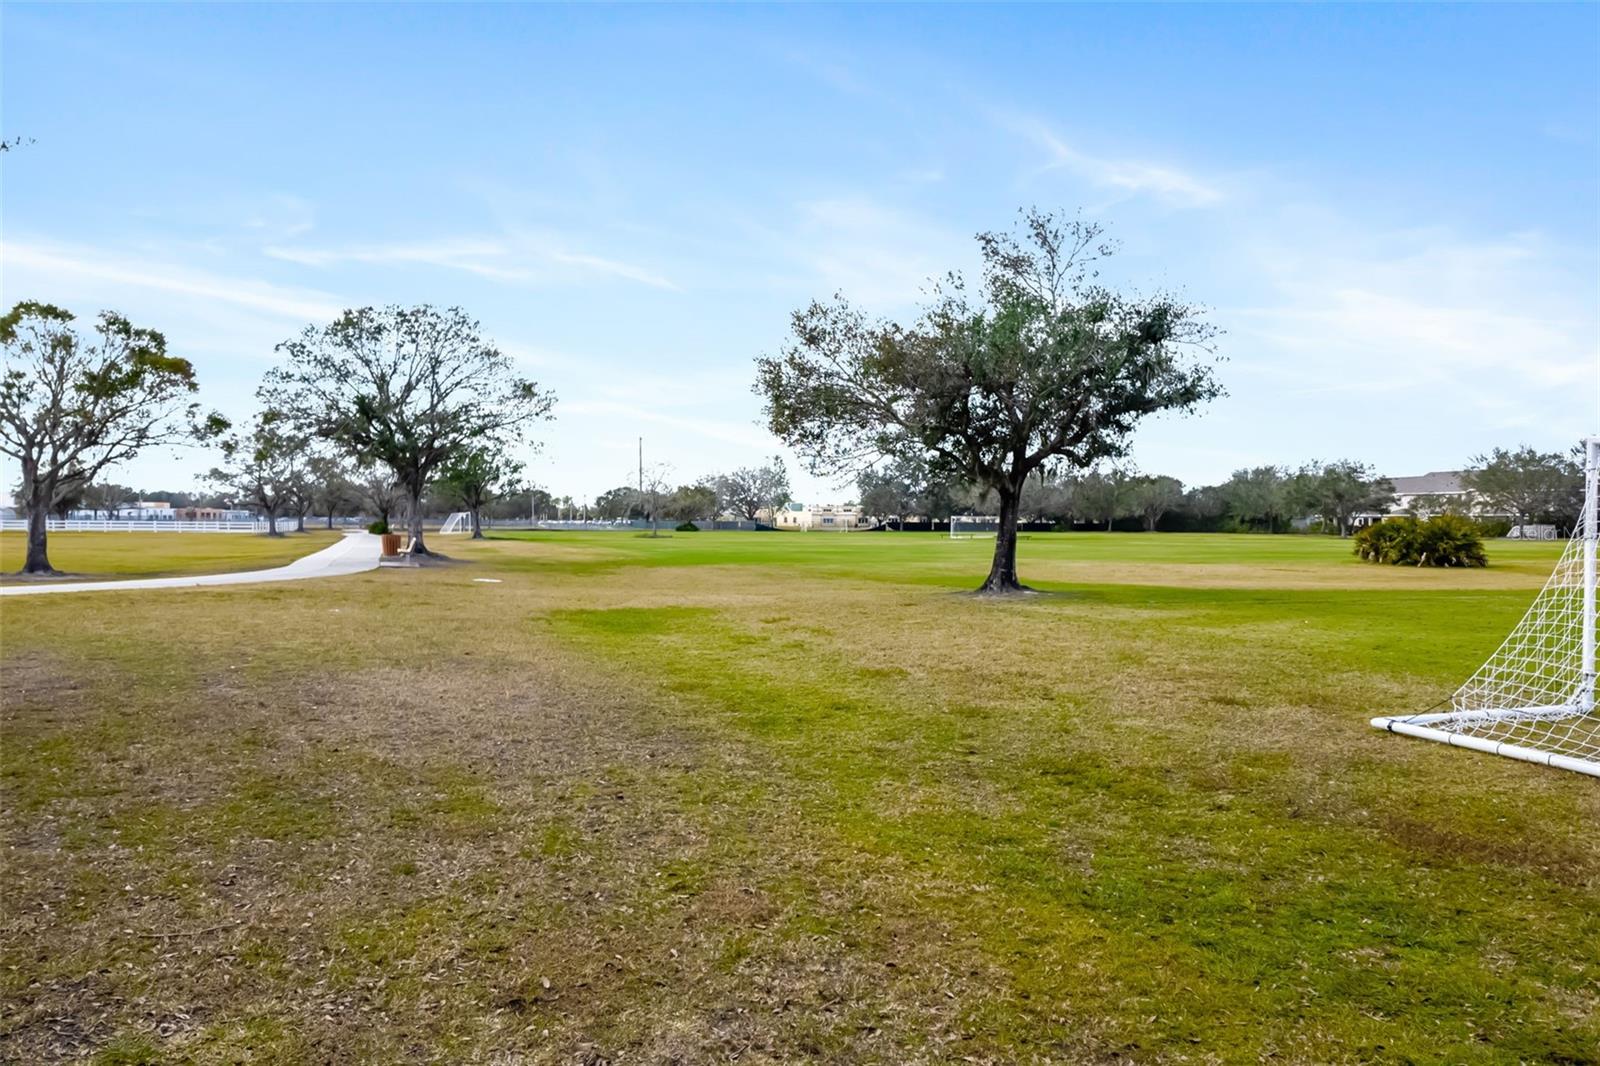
<point x="641" y="473"/>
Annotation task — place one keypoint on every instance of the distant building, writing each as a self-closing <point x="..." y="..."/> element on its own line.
<point x="1430" y="494"/>
<point x="1427" y="493"/>
<point x="822" y="518"/>
<point x="163" y="511"/>
<point x="212" y="514"/>
<point x="145" y="510"/>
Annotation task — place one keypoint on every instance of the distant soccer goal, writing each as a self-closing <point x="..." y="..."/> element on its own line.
<point x="968" y="526"/>
<point x="459" y="522"/>
<point x="1534" y="698"/>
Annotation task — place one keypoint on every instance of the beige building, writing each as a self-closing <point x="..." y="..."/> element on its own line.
<point x="821" y="518"/>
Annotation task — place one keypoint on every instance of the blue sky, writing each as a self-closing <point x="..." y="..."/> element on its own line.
<point x="1393" y="212"/>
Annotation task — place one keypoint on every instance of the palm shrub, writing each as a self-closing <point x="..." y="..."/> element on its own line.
<point x="1387" y="541"/>
<point x="1443" y="540"/>
<point x="1450" y="540"/>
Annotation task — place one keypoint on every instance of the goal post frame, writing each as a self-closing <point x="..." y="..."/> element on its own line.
<point x="1591" y="545"/>
<point x="1474" y="727"/>
<point x="974" y="534"/>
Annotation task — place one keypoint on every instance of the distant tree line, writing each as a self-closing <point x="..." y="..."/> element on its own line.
<point x="1523" y="485"/>
<point x="1260" y="499"/>
<point x="745" y="493"/>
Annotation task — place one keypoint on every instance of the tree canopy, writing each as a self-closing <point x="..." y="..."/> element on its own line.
<point x="1528" y="484"/>
<point x="1151" y="496"/>
<point x="1044" y="366"/>
<point x="267" y="466"/>
<point x="73" y="404"/>
<point x="407" y="388"/>
<point x="1340" y="490"/>
<point x="475" y="477"/>
<point x="749" y="490"/>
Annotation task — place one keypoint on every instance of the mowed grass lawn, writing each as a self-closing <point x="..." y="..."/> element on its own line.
<point x="777" y="798"/>
<point x="113" y="555"/>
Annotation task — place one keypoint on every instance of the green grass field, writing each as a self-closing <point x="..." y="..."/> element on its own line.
<point x="111" y="555"/>
<point x="777" y="798"/>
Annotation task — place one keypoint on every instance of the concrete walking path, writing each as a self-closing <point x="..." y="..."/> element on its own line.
<point x="355" y="553"/>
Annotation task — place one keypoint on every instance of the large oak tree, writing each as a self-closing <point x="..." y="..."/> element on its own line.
<point x="749" y="490"/>
<point x="1340" y="490"/>
<point x="476" y="477"/>
<point x="1044" y="367"/>
<point x="73" y="404"/>
<point x="1528" y="485"/>
<point x="266" y="467"/>
<point x="408" y="388"/>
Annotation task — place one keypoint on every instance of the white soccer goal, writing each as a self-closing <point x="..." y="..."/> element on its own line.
<point x="968" y="526"/>
<point x="459" y="522"/>
<point x="1534" y="698"/>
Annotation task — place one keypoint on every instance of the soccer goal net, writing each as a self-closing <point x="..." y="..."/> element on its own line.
<point x="967" y="526"/>
<point x="1534" y="698"/>
<point x="458" y="522"/>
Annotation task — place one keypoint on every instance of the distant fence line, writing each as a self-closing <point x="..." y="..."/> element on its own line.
<point x="134" y="525"/>
<point x="595" y="523"/>
<point x="603" y="524"/>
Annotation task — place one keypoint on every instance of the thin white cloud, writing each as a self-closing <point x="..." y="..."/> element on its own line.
<point x="873" y="254"/>
<point x="281" y="215"/>
<point x="1485" y="333"/>
<point x="511" y="260"/>
<point x="745" y="436"/>
<point x="610" y="266"/>
<point x="1163" y="181"/>
<point x="45" y="264"/>
<point x="1437" y="301"/>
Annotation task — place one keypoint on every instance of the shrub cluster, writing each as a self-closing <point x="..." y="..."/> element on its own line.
<point x="688" y="527"/>
<point x="380" y="526"/>
<point x="1443" y="540"/>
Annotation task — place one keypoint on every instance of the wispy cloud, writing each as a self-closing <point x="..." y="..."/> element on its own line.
<point x="745" y="436"/>
<point x="58" y="263"/>
<point x="282" y="216"/>
<point x="1165" y="182"/>
<point x="513" y="260"/>
<point x="873" y="253"/>
<point x="1458" y="324"/>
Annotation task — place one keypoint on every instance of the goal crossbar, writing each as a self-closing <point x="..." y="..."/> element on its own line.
<point x="1534" y="699"/>
<point x="963" y="526"/>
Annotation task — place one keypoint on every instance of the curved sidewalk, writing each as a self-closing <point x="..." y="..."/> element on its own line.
<point x="355" y="553"/>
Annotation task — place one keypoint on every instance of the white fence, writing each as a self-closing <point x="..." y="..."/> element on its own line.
<point x="104" y="525"/>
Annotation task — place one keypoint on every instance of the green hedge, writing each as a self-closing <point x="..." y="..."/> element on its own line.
<point x="1443" y="540"/>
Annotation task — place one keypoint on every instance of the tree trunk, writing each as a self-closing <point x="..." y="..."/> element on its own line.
<point x="477" y="526"/>
<point x="1002" y="577"/>
<point x="415" y="523"/>
<point x="330" y="518"/>
<point x="300" y="522"/>
<point x="272" y="524"/>
<point x="38" y="561"/>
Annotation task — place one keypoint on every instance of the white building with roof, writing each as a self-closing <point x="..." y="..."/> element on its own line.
<point x="1431" y="494"/>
